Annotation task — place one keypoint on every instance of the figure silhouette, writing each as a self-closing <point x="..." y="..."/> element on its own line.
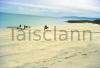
<point x="46" y="27"/>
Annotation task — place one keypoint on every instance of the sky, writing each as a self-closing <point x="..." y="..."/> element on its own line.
<point x="53" y="8"/>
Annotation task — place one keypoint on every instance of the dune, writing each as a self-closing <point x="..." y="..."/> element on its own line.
<point x="51" y="54"/>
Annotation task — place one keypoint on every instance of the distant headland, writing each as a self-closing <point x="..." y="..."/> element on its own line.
<point x="97" y="21"/>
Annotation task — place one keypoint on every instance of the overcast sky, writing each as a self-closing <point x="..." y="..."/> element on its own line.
<point x="55" y="8"/>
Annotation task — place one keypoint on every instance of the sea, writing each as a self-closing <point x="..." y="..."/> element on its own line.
<point x="8" y="19"/>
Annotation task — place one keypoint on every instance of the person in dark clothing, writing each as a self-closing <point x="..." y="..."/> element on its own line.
<point x="46" y="27"/>
<point x="20" y="26"/>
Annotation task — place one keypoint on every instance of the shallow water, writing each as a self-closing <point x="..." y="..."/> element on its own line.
<point x="7" y="19"/>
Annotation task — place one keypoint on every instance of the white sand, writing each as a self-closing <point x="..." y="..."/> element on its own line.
<point x="51" y="54"/>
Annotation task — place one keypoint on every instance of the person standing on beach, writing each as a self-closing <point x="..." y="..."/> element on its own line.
<point x="46" y="27"/>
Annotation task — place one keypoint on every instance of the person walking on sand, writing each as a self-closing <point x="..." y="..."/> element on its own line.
<point x="19" y="27"/>
<point x="46" y="27"/>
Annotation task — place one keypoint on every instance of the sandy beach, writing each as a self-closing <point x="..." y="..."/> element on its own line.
<point x="51" y="54"/>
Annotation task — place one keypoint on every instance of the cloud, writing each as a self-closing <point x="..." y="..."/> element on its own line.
<point x="87" y="8"/>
